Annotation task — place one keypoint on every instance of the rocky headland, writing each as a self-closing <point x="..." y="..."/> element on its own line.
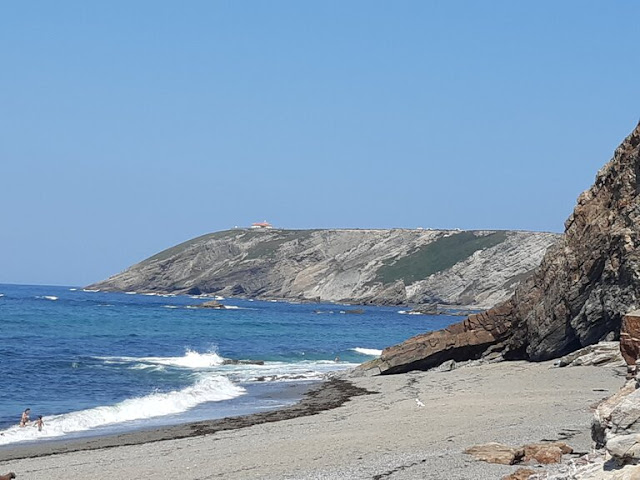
<point x="578" y="295"/>
<point x="471" y="269"/>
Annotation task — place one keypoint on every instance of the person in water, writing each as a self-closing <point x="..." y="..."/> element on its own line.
<point x="25" y="417"/>
<point x="39" y="423"/>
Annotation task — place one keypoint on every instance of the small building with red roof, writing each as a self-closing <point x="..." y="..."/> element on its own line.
<point x="264" y="224"/>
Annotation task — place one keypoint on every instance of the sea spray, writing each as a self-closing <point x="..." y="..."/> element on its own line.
<point x="210" y="388"/>
<point x="191" y="359"/>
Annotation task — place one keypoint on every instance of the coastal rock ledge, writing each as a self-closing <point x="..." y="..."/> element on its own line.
<point x="578" y="295"/>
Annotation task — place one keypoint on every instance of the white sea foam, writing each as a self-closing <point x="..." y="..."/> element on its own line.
<point x="171" y="306"/>
<point x="368" y="351"/>
<point x="1" y="294"/>
<point x="47" y="297"/>
<point x="130" y="293"/>
<point x="282" y="371"/>
<point x="73" y="289"/>
<point x="191" y="359"/>
<point x="91" y="290"/>
<point x="210" y="388"/>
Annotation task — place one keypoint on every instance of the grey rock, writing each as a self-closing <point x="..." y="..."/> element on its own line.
<point x="600" y="354"/>
<point x="446" y="366"/>
<point x="624" y="447"/>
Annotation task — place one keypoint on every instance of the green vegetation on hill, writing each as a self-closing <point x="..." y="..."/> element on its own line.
<point x="437" y="256"/>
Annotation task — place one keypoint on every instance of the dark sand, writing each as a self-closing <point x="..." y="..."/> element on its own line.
<point x="326" y="396"/>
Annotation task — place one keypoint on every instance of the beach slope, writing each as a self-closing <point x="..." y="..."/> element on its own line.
<point x="385" y="434"/>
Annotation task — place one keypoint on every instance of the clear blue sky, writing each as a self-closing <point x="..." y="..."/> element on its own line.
<point x="129" y="126"/>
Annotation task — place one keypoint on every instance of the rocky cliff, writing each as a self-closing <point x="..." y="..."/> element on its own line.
<point x="398" y="266"/>
<point x="577" y="296"/>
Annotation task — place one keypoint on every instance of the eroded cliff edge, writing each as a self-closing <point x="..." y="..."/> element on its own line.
<point x="578" y="295"/>
<point x="398" y="266"/>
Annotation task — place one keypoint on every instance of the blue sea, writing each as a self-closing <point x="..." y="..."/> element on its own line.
<point x="95" y="363"/>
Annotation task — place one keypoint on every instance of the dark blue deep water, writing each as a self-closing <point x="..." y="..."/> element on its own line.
<point x="95" y="362"/>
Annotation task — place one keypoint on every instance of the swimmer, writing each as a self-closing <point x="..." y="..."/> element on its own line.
<point x="25" y="417"/>
<point x="39" y="423"/>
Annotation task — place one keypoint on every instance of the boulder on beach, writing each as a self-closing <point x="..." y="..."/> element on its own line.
<point x="533" y="453"/>
<point x="520" y="474"/>
<point x="600" y="354"/>
<point x="496" y="453"/>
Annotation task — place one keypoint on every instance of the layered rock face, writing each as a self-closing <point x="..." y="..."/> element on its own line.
<point x="577" y="296"/>
<point x="399" y="266"/>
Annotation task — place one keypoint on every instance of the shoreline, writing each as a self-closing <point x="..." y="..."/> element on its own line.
<point x="357" y="428"/>
<point x="327" y="395"/>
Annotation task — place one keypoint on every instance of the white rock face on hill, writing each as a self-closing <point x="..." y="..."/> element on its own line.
<point x="396" y="267"/>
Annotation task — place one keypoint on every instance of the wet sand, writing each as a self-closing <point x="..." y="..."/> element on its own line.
<point x="369" y="428"/>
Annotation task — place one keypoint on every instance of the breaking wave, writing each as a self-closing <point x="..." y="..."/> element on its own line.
<point x="191" y="359"/>
<point x="47" y="297"/>
<point x="211" y="388"/>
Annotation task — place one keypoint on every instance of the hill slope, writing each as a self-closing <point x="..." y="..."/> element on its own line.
<point x="398" y="266"/>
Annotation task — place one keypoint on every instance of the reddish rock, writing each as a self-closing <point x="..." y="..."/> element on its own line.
<point x="496" y="453"/>
<point x="520" y="474"/>
<point x="545" y="453"/>
<point x="532" y="448"/>
<point x="630" y="337"/>
<point x="460" y="341"/>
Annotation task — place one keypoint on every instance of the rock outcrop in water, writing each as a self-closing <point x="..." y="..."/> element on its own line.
<point x="577" y="296"/>
<point x="396" y="267"/>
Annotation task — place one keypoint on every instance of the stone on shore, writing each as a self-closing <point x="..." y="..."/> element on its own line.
<point x="600" y="354"/>
<point x="630" y="339"/>
<point x="520" y="474"/>
<point x="533" y="453"/>
<point x="545" y="453"/>
<point x="496" y="453"/>
<point x="616" y="424"/>
<point x="461" y="341"/>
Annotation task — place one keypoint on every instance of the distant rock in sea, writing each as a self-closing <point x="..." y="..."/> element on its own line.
<point x="474" y="269"/>
<point x="578" y="295"/>
<point x="212" y="304"/>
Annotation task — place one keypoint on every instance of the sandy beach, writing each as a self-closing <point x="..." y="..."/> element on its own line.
<point x="363" y="428"/>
